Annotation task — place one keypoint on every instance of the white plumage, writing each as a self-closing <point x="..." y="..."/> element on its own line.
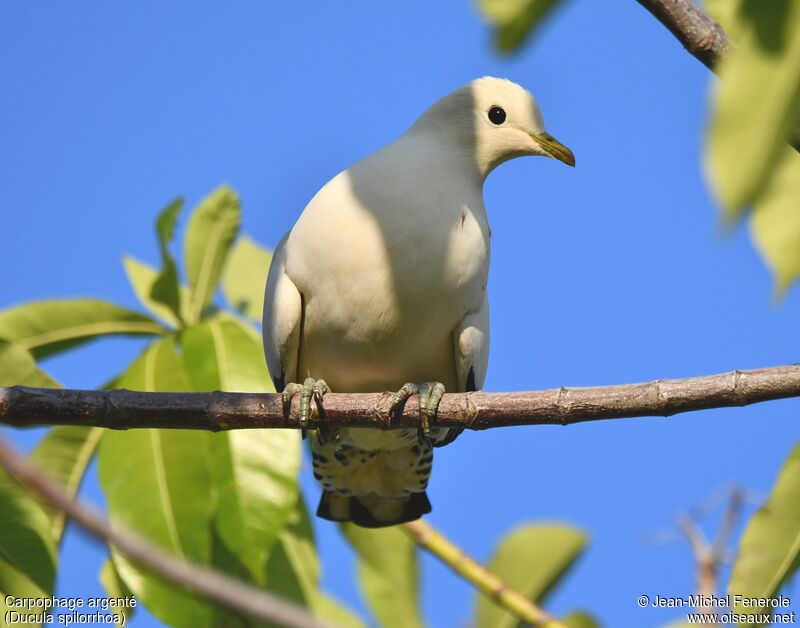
<point x="382" y="281"/>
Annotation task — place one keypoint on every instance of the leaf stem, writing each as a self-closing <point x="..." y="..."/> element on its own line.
<point x="430" y="539"/>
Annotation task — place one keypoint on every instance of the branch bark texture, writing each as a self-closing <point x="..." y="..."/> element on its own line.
<point x="702" y="37"/>
<point x="699" y="34"/>
<point x="21" y="406"/>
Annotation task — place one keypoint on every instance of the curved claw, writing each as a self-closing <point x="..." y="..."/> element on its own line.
<point x="289" y="391"/>
<point x="310" y="389"/>
<point x="430" y="395"/>
<point x="402" y="395"/>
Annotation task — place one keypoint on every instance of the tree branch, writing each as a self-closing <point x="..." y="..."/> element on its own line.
<point x="206" y="582"/>
<point x="484" y="580"/>
<point x="21" y="406"/>
<point x="700" y="35"/>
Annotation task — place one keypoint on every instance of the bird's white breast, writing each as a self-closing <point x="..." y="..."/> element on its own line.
<point x="389" y="257"/>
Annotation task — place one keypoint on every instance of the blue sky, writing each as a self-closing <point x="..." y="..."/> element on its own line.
<point x="616" y="271"/>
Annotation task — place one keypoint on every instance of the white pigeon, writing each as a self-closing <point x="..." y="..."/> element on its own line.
<point x="382" y="283"/>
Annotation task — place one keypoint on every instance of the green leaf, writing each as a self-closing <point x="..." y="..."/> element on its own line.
<point x="531" y="559"/>
<point x="116" y="589"/>
<point x="166" y="289"/>
<point x="18" y="368"/>
<point x="27" y="547"/>
<point x="225" y="354"/>
<point x="256" y="474"/>
<point x="211" y="231"/>
<point x="293" y="573"/>
<point x="515" y="20"/>
<point x="222" y="560"/>
<point x="48" y="327"/>
<point x="255" y="470"/>
<point x="25" y="541"/>
<point x="775" y="223"/>
<point x="724" y="12"/>
<point x="16" y="584"/>
<point x="142" y="277"/>
<point x="293" y="570"/>
<point x="388" y="573"/>
<point x="40" y="379"/>
<point x="769" y="549"/>
<point x="64" y="454"/>
<point x="157" y="482"/>
<point x="245" y="277"/>
<point x="334" y="613"/>
<point x="580" y="619"/>
<point x="757" y="103"/>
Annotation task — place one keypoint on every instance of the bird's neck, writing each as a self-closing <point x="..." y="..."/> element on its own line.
<point x="452" y="153"/>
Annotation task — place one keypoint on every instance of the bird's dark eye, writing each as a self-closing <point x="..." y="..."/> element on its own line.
<point x="497" y="115"/>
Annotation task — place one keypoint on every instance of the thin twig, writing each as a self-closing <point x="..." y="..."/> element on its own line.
<point x="21" y="406"/>
<point x="201" y="580"/>
<point x="729" y="521"/>
<point x="695" y="535"/>
<point x="484" y="580"/>
<point x="704" y="556"/>
<point x="699" y="34"/>
<point x="710" y="556"/>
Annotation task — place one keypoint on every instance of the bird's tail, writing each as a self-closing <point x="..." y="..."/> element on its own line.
<point x="371" y="510"/>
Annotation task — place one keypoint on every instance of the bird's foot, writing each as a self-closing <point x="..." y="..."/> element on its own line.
<point x="430" y="394"/>
<point x="310" y="389"/>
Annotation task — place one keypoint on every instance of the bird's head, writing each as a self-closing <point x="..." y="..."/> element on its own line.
<point x="496" y="120"/>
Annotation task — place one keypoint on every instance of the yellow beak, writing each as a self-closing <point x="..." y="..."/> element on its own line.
<point x="555" y="149"/>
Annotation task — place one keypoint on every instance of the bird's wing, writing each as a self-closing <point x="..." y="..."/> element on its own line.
<point x="283" y="312"/>
<point x="471" y="344"/>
